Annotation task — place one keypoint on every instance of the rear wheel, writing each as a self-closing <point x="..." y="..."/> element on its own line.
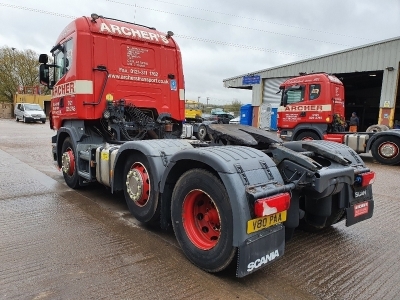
<point x="384" y="127"/>
<point x="139" y="189"/>
<point x="23" y="119"/>
<point x="336" y="215"/>
<point x="68" y="164"/>
<point x="374" y="128"/>
<point x="386" y="150"/>
<point x="307" y="136"/>
<point x="16" y="119"/>
<point x="202" y="220"/>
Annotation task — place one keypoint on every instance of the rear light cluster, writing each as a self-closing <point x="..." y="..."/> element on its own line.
<point x="271" y="205"/>
<point x="365" y="179"/>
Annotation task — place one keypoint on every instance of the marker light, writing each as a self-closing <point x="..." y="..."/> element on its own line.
<point x="94" y="17"/>
<point x="365" y="179"/>
<point x="271" y="205"/>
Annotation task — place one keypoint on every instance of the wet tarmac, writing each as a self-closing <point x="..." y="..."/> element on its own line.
<point x="58" y="243"/>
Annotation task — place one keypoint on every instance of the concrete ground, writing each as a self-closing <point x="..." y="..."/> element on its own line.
<point x="58" y="243"/>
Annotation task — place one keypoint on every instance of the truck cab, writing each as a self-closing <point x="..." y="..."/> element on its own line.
<point x="311" y="105"/>
<point x="98" y="61"/>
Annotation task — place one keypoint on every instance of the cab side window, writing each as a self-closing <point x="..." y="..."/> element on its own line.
<point x="68" y="55"/>
<point x="315" y="91"/>
<point x="63" y="59"/>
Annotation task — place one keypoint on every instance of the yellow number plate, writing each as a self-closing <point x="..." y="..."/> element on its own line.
<point x="265" y="222"/>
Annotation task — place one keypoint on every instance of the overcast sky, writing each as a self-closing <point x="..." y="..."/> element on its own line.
<point x="266" y="33"/>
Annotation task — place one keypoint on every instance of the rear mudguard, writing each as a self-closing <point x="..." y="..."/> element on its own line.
<point x="241" y="169"/>
<point x="330" y="178"/>
<point x="158" y="153"/>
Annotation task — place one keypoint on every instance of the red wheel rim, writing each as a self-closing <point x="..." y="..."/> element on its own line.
<point x="69" y="162"/>
<point x="138" y="184"/>
<point x="388" y="150"/>
<point x="201" y="220"/>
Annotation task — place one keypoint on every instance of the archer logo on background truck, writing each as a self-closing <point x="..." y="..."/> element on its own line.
<point x="306" y="108"/>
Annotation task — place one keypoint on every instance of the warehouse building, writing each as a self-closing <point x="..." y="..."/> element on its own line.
<point x="370" y="75"/>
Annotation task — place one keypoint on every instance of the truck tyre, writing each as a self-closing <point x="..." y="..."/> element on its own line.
<point x="386" y="150"/>
<point x="139" y="190"/>
<point x="68" y="164"/>
<point x="307" y="136"/>
<point x="384" y="127"/>
<point x="374" y="128"/>
<point x="335" y="217"/>
<point x="202" y="220"/>
<point x="202" y="134"/>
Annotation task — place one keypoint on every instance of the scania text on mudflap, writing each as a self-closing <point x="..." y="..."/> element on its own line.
<point x="118" y="109"/>
<point x="313" y="108"/>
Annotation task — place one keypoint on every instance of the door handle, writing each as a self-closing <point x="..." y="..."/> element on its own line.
<point x="303" y="114"/>
<point x="61" y="102"/>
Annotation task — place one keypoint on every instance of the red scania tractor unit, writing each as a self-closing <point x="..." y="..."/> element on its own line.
<point x="118" y="110"/>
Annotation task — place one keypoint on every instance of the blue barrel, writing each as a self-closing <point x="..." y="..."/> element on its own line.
<point x="274" y="119"/>
<point x="246" y="114"/>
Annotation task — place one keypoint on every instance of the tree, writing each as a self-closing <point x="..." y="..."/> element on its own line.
<point x="234" y="106"/>
<point x="17" y="68"/>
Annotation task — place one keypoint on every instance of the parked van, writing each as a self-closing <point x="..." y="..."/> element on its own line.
<point x="29" y="112"/>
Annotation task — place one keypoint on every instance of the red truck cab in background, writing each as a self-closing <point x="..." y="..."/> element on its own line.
<point x="311" y="106"/>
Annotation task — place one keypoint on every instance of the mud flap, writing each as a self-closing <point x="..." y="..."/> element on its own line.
<point x="261" y="250"/>
<point x="358" y="212"/>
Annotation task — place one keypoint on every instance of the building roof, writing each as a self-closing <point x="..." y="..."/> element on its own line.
<point x="362" y="58"/>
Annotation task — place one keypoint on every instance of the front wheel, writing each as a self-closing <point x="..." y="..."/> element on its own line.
<point x="23" y="119"/>
<point x="202" y="220"/>
<point x="16" y="119"/>
<point x="386" y="150"/>
<point x="68" y="164"/>
<point x="202" y="134"/>
<point x="139" y="190"/>
<point x="307" y="136"/>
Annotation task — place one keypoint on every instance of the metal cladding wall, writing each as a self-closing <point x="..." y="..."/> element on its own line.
<point x="383" y="55"/>
<point x="270" y="102"/>
<point x="271" y="87"/>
